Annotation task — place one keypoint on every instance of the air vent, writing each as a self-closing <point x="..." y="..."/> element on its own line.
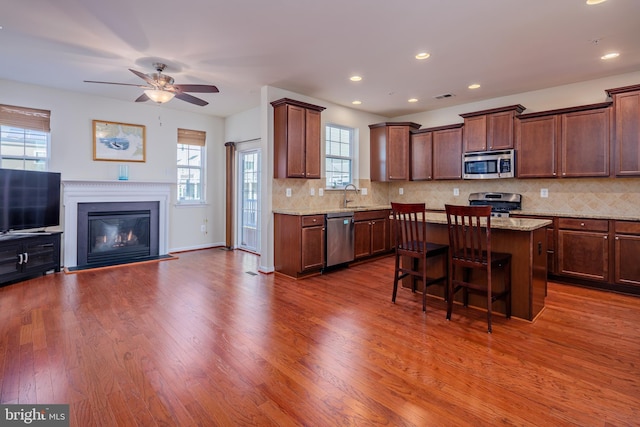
<point x="444" y="95"/>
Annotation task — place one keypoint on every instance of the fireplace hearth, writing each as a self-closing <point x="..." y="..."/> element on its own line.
<point x="116" y="232"/>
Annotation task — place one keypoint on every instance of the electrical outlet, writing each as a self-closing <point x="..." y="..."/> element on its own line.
<point x="456" y="191"/>
<point x="288" y="192"/>
<point x="320" y="192"/>
<point x="401" y="191"/>
<point x="363" y="191"/>
<point x="544" y="192"/>
<point x="203" y="228"/>
<point x="312" y="191"/>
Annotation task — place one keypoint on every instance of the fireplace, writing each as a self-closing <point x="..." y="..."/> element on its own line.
<point x="104" y="196"/>
<point x="117" y="232"/>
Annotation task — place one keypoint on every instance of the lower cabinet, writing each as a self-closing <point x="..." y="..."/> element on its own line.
<point x="25" y="255"/>
<point x="299" y="244"/>
<point x="371" y="233"/>
<point x="583" y="248"/>
<point x="627" y="253"/>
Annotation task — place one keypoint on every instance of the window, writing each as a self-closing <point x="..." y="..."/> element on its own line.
<point x="191" y="162"/>
<point x="339" y="156"/>
<point x="24" y="138"/>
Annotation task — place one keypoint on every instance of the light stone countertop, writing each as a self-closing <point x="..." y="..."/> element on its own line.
<point x="517" y="224"/>
<point x="580" y="215"/>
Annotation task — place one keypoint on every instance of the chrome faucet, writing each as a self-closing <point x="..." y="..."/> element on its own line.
<point x="346" y="187"/>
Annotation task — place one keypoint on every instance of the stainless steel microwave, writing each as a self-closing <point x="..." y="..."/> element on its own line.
<point x="489" y="164"/>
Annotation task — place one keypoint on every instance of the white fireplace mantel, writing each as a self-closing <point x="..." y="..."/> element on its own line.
<point x="75" y="192"/>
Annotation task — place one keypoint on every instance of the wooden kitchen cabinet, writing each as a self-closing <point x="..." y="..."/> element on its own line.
<point x="627" y="253"/>
<point x="583" y="248"/>
<point x="584" y="142"/>
<point x="626" y="107"/>
<point x="421" y="155"/>
<point x="490" y="129"/>
<point x="371" y="233"/>
<point x="389" y="150"/>
<point x="568" y="142"/>
<point x="436" y="153"/>
<point x="296" y="135"/>
<point x="537" y="145"/>
<point x="299" y="242"/>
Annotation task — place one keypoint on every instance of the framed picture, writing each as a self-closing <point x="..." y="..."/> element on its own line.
<point x="118" y="142"/>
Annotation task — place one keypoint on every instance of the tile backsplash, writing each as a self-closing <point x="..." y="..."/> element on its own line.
<point x="619" y="197"/>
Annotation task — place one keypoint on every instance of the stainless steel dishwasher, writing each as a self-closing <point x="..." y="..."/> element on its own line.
<point x="339" y="232"/>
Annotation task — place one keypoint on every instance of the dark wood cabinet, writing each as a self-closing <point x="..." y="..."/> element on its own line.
<point x="436" y="153"/>
<point x="536" y="146"/>
<point x="626" y="107"/>
<point x="627" y="253"/>
<point x="568" y="142"/>
<point x="371" y="233"/>
<point x="490" y="129"/>
<point x="421" y="155"/>
<point x="297" y="140"/>
<point x="583" y="248"/>
<point x="389" y="151"/>
<point x="26" y="255"/>
<point x="584" y="142"/>
<point x="299" y="244"/>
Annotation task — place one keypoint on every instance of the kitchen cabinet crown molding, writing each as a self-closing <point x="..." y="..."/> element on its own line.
<point x="623" y="89"/>
<point x="297" y="103"/>
<point x="437" y="128"/>
<point x="575" y="109"/>
<point x="383" y="124"/>
<point x="517" y="108"/>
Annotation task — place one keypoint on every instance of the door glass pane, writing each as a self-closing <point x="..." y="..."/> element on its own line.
<point x="249" y="203"/>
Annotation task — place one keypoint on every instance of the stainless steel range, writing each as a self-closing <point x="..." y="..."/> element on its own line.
<point x="501" y="203"/>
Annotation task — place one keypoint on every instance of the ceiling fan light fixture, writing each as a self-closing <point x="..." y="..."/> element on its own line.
<point x="159" y="96"/>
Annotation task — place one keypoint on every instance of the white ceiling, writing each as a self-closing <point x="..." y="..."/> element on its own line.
<point x="312" y="47"/>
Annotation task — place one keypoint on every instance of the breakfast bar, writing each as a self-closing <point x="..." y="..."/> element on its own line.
<point x="525" y="239"/>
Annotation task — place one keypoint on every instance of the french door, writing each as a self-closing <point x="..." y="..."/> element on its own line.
<point x="248" y="200"/>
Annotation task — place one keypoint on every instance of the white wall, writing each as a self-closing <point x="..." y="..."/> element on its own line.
<point x="72" y="150"/>
<point x="573" y="95"/>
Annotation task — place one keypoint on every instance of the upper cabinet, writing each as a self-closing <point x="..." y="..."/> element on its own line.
<point x="389" y="146"/>
<point x="490" y="129"/>
<point x="626" y="107"/>
<point x="569" y="142"/>
<point x="436" y="153"/>
<point x="297" y="138"/>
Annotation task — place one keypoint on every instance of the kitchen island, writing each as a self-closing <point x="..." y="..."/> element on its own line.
<point x="299" y="249"/>
<point x="525" y="239"/>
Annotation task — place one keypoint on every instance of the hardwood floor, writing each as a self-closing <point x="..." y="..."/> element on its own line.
<point x="202" y="340"/>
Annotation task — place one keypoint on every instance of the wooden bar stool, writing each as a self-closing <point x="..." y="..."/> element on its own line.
<point x="470" y="248"/>
<point x="411" y="241"/>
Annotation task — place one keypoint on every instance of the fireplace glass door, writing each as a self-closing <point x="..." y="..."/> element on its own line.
<point x="115" y="236"/>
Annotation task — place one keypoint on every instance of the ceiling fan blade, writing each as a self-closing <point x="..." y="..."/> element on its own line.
<point x="144" y="77"/>
<point x="197" y="88"/>
<point x="142" y="98"/>
<point x="191" y="99"/>
<point x="112" y="83"/>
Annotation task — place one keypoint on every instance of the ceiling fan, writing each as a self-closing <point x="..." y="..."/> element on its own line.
<point x="160" y="87"/>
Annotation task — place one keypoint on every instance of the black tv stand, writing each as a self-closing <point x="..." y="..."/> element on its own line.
<point x="23" y="255"/>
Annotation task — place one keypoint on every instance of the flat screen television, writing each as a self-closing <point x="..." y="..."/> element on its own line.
<point x="28" y="199"/>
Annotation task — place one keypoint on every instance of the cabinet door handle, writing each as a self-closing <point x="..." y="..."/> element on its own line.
<point x="26" y="257"/>
<point x="582" y="224"/>
<point x="606" y="237"/>
<point x="19" y="259"/>
<point x="373" y="222"/>
<point x="617" y="238"/>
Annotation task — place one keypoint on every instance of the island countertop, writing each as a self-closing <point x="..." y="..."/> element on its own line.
<point x="516" y="224"/>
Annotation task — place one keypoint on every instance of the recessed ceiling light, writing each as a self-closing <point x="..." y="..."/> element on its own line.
<point x="423" y="55"/>
<point x="474" y="86"/>
<point x="412" y="100"/>
<point x="355" y="78"/>
<point x="592" y="2"/>
<point x="610" y="55"/>
<point x="356" y="102"/>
